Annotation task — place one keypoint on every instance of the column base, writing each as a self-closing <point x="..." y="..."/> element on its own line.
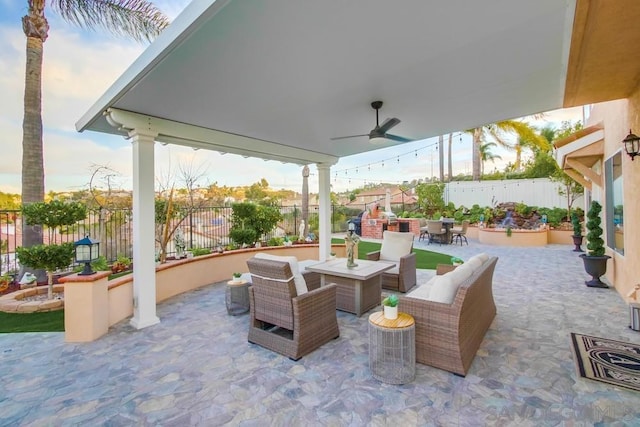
<point x="144" y="323"/>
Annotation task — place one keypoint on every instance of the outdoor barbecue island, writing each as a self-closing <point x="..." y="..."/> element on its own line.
<point x="373" y="224"/>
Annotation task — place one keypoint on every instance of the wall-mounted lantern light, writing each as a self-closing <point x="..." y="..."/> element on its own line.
<point x="632" y="145"/>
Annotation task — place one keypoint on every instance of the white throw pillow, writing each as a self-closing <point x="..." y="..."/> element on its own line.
<point x="473" y="264"/>
<point x="482" y="257"/>
<point x="298" y="279"/>
<point x="461" y="273"/>
<point x="395" y="245"/>
<point x="444" y="289"/>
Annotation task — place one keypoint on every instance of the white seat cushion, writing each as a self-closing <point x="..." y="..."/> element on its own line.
<point x="422" y="291"/>
<point x="298" y="279"/>
<point x="394" y="270"/>
<point x="395" y="245"/>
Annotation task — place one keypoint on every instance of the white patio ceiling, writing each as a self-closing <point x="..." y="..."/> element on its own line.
<point x="277" y="79"/>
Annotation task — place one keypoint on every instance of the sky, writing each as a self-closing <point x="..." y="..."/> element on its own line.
<point x="79" y="66"/>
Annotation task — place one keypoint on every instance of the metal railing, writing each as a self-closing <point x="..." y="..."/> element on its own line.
<point x="205" y="227"/>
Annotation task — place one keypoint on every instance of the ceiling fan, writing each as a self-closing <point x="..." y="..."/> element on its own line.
<point x="378" y="134"/>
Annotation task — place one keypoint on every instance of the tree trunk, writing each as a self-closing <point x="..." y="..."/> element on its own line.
<point x="305" y="198"/>
<point x="441" y="156"/>
<point x="50" y="282"/>
<point x="450" y="165"/>
<point x="476" y="162"/>
<point x="36" y="29"/>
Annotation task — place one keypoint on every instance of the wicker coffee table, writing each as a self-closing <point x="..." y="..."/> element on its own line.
<point x="392" y="348"/>
<point x="237" y="297"/>
<point x="359" y="289"/>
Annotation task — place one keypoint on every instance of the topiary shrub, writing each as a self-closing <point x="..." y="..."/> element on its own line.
<point x="595" y="244"/>
<point x="577" y="227"/>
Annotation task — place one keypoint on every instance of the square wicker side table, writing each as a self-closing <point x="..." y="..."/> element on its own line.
<point x="237" y="297"/>
<point x="392" y="348"/>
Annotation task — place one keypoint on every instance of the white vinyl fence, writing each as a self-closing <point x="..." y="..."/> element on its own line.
<point x="541" y="192"/>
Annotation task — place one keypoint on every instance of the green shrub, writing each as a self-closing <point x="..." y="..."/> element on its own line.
<point x="275" y="241"/>
<point x="595" y="244"/>
<point x="244" y="236"/>
<point x="200" y="251"/>
<point x="575" y="222"/>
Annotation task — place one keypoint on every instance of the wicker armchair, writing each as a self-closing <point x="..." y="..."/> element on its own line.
<point x="283" y="321"/>
<point x="448" y="335"/>
<point x="397" y="247"/>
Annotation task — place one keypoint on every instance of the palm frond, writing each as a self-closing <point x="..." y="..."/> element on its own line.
<point x="138" y="19"/>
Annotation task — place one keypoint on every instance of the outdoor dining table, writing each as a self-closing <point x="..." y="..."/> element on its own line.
<point x="447" y="223"/>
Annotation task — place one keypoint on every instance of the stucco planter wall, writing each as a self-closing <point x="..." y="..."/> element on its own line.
<point x="176" y="277"/>
<point x="499" y="237"/>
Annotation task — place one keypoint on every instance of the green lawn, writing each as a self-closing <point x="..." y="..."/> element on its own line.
<point x="50" y="321"/>
<point x="424" y="259"/>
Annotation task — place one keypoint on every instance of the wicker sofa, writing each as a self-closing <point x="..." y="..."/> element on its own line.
<point x="448" y="335"/>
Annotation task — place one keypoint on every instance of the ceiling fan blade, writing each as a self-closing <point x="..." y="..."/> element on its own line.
<point x="388" y="124"/>
<point x="397" y="138"/>
<point x="350" y="136"/>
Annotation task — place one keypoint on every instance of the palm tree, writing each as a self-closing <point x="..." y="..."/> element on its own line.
<point x="449" y="165"/>
<point x="138" y="19"/>
<point x="486" y="154"/>
<point x="497" y="132"/>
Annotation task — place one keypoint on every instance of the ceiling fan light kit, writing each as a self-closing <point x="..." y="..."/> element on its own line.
<point x="378" y="134"/>
<point x="377" y="140"/>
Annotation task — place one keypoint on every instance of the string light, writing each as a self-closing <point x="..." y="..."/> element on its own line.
<point x="415" y="153"/>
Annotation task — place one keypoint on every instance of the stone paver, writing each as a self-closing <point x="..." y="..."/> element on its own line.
<point x="197" y="368"/>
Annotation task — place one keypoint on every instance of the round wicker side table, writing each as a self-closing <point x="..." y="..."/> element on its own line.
<point x="392" y="348"/>
<point x="237" y="297"/>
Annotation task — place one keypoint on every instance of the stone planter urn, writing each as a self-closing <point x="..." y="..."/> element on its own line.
<point x="577" y="241"/>
<point x="595" y="266"/>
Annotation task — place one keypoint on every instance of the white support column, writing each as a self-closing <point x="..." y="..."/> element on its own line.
<point x="144" y="273"/>
<point x="324" y="192"/>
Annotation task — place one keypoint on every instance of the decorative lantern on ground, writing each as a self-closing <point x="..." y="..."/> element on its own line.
<point x="87" y="251"/>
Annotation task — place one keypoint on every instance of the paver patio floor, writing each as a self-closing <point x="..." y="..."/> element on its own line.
<point x="197" y="368"/>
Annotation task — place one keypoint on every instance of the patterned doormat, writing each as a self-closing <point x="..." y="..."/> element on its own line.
<point x="612" y="362"/>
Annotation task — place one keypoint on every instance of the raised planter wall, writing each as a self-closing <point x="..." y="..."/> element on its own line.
<point x="176" y="277"/>
<point x="498" y="237"/>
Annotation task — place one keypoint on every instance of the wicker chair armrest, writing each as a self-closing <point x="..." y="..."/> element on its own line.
<point x="407" y="261"/>
<point x="407" y="272"/>
<point x="373" y="256"/>
<point x="312" y="279"/>
<point x="444" y="268"/>
<point x="310" y="308"/>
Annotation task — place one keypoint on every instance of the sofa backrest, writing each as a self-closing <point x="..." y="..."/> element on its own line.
<point x="477" y="289"/>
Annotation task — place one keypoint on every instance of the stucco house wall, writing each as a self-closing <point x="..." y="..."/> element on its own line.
<point x="618" y="117"/>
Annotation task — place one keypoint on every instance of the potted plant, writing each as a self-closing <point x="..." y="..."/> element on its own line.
<point x="456" y="261"/>
<point x="390" y="306"/>
<point x="236" y="277"/>
<point x="595" y="261"/>
<point x="577" y="232"/>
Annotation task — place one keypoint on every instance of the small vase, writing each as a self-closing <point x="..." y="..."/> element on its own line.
<point x="390" y="313"/>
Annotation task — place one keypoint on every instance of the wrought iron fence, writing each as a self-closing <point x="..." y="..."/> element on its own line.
<point x="206" y="227"/>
